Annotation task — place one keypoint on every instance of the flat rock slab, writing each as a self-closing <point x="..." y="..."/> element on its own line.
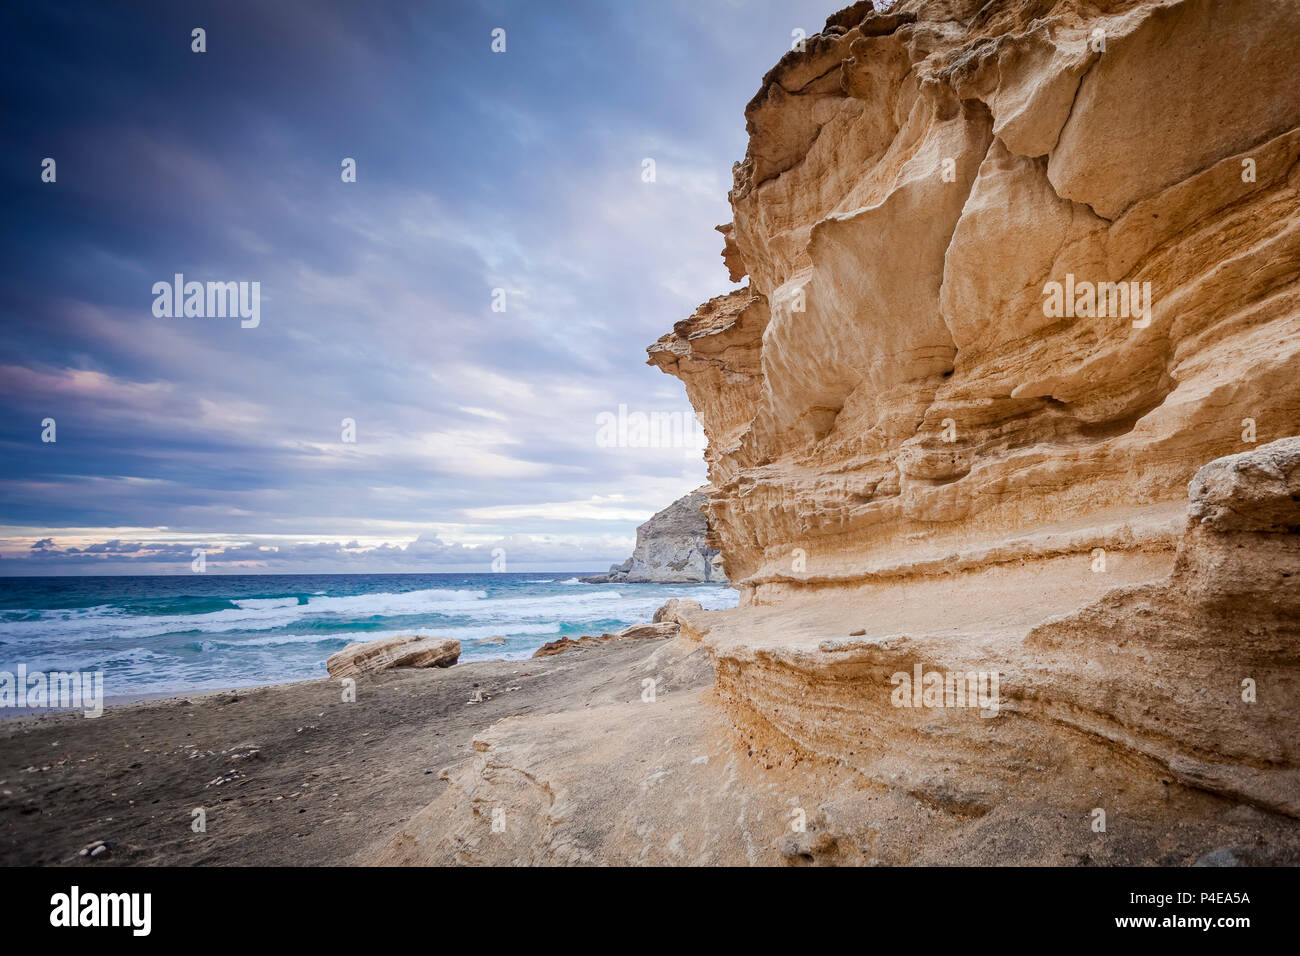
<point x="659" y="630"/>
<point x="403" y="650"/>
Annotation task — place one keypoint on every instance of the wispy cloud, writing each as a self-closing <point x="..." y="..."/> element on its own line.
<point x="475" y="172"/>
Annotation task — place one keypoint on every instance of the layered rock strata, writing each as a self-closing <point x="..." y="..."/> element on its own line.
<point x="894" y="386"/>
<point x="657" y="630"/>
<point x="1154" y="724"/>
<point x="1002" y="459"/>
<point x="1194" y="673"/>
<point x="401" y="650"/>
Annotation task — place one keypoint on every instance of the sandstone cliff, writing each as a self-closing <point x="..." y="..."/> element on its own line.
<point x="1009" y="399"/>
<point x="671" y="548"/>
<point x="888" y="389"/>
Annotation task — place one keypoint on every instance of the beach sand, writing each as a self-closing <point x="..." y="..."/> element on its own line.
<point x="287" y="774"/>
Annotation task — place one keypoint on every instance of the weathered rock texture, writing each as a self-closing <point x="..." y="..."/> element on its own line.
<point x="1157" y="670"/>
<point x="918" y="466"/>
<point x="912" y="183"/>
<point x="671" y="548"/>
<point x="402" y="650"/>
<point x="657" y="630"/>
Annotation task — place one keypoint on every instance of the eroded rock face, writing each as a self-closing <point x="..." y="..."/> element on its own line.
<point x="1165" y="707"/>
<point x="951" y="216"/>
<point x="671" y="548"/>
<point x="893" y="384"/>
<point x="402" y="650"/>
<point x="1010" y="569"/>
<point x="1166" y="668"/>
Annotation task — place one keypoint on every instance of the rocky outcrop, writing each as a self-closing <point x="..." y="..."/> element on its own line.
<point x="657" y="630"/>
<point x="1003" y="459"/>
<point x="402" y="650"/>
<point x="671" y="548"/>
<point x="894" y="384"/>
<point x="676" y="610"/>
<point x="1172" y="669"/>
<point x="1154" y="724"/>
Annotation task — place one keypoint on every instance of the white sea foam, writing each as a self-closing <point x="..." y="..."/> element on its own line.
<point x="253" y="614"/>
<point x="387" y="605"/>
<point x="468" y="633"/>
<point x="277" y="640"/>
<point x="270" y="639"/>
<point x="251" y="604"/>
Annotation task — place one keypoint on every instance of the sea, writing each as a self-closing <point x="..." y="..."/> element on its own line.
<point x="163" y="634"/>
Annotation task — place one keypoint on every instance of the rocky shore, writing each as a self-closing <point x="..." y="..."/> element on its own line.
<point x="286" y="775"/>
<point x="1002" y="458"/>
<point x="1020" y="581"/>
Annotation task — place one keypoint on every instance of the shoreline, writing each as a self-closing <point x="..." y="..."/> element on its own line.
<point x="286" y="774"/>
<point x="219" y="654"/>
<point x="116" y="701"/>
<point x="126" y="700"/>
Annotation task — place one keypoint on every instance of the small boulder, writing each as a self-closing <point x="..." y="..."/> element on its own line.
<point x="673" y="610"/>
<point x="558" y="646"/>
<point x="98" y="849"/>
<point x="648" y="632"/>
<point x="402" y="650"/>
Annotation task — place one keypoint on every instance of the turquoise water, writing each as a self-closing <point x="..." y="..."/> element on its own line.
<point x="163" y="634"/>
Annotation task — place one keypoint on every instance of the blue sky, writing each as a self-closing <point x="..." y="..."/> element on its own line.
<point x="476" y="171"/>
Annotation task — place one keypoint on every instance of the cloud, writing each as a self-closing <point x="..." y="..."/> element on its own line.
<point x="427" y="552"/>
<point x="475" y="171"/>
<point x="613" y="508"/>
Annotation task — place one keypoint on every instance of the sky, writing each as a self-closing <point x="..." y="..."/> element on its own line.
<point x="476" y="303"/>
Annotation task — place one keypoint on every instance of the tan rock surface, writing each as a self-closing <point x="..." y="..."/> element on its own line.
<point x="402" y="650"/>
<point x="1131" y="705"/>
<point x="675" y="610"/>
<point x="915" y="199"/>
<point x="656" y="630"/>
<point x="919" y="467"/>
